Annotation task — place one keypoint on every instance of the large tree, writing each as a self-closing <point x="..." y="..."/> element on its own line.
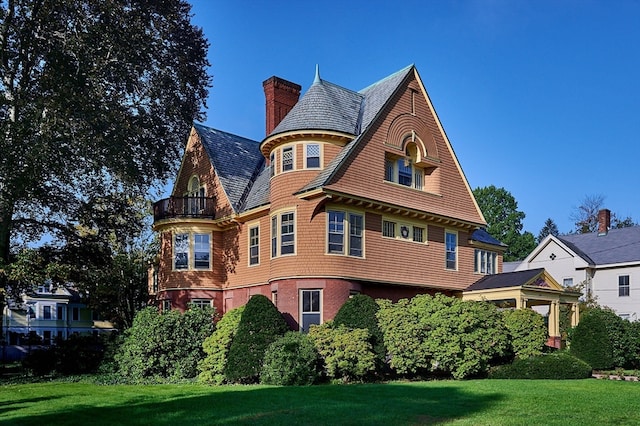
<point x="96" y="100"/>
<point x="504" y="221"/>
<point x="585" y="216"/>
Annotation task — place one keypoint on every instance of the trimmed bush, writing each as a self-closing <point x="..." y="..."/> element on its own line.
<point x="527" y="331"/>
<point x="290" y="361"/>
<point x="360" y="312"/>
<point x="599" y="339"/>
<point x="40" y="362"/>
<point x="260" y="325"/>
<point x="346" y="353"/>
<point x="216" y="348"/>
<point x="164" y="345"/>
<point x="558" y="365"/>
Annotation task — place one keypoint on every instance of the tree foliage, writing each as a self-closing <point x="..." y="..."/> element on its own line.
<point x="527" y="331"/>
<point x="216" y="348"/>
<point x="260" y="325"/>
<point x="164" y="345"/>
<point x="597" y="339"/>
<point x="96" y="100"/>
<point x="504" y="221"/>
<point x="549" y="228"/>
<point x="585" y="215"/>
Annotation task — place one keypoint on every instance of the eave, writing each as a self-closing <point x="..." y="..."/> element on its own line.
<point x="387" y="208"/>
<point x="268" y="144"/>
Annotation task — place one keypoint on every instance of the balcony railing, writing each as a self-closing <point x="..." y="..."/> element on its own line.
<point x="173" y="207"/>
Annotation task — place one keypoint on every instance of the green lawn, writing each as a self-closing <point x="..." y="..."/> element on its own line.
<point x="475" y="402"/>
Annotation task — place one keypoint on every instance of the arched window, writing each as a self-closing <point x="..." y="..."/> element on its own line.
<point x="196" y="196"/>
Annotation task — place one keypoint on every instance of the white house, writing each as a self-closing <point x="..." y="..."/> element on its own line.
<point x="606" y="263"/>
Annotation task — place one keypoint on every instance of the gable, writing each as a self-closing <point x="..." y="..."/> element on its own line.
<point x="553" y="250"/>
<point x="408" y="116"/>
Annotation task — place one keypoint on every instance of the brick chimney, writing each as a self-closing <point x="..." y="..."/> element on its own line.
<point x="280" y="95"/>
<point x="604" y="221"/>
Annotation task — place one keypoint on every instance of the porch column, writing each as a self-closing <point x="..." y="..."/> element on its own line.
<point x="575" y="314"/>
<point x="554" y="315"/>
<point x="521" y="302"/>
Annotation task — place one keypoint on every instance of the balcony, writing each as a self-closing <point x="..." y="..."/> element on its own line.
<point x="188" y="207"/>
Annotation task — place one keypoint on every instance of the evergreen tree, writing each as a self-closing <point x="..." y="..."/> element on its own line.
<point x="549" y="228"/>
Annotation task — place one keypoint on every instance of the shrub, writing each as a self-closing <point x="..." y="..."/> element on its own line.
<point x="79" y="354"/>
<point x="632" y="354"/>
<point x="527" y="331"/>
<point x="260" y="325"/>
<point x="599" y="339"/>
<point x="216" y="347"/>
<point x="559" y="365"/>
<point x="346" y="353"/>
<point x="403" y="337"/>
<point x="40" y="362"/>
<point x="464" y="336"/>
<point x="290" y="360"/>
<point x="360" y="312"/>
<point x="164" y="345"/>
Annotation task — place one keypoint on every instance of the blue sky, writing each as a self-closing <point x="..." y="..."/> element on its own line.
<point x="539" y="97"/>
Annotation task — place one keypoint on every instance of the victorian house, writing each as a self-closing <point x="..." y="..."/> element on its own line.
<point x="349" y="192"/>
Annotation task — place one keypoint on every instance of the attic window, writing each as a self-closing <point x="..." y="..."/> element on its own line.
<point x="403" y="171"/>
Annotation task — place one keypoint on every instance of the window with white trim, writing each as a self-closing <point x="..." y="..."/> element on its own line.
<point x="403" y="172"/>
<point x="623" y="286"/>
<point x="272" y="164"/>
<point x="283" y="235"/>
<point x="46" y="312"/>
<point x="201" y="251"/>
<point x="451" y="250"/>
<point x="181" y="251"/>
<point x="201" y="303"/>
<point x="254" y="245"/>
<point x="339" y="224"/>
<point x="287" y="159"/>
<point x="312" y="156"/>
<point x="567" y="282"/>
<point x="60" y="312"/>
<point x="196" y="246"/>
<point x="485" y="262"/>
<point x="404" y="231"/>
<point x="310" y="308"/>
<point x="196" y="193"/>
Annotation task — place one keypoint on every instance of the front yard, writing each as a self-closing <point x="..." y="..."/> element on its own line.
<point x="474" y="402"/>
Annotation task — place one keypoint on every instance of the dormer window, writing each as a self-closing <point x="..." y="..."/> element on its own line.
<point x="401" y="170"/>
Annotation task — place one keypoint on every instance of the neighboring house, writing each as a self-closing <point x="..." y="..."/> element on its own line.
<point x="350" y="192"/>
<point x="50" y="314"/>
<point x="606" y="263"/>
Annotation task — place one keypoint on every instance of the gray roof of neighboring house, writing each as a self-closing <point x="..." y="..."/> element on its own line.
<point x="237" y="162"/>
<point x="507" y="279"/>
<point x="617" y="246"/>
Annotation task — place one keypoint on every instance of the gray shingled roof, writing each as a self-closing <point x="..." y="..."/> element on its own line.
<point x="617" y="246"/>
<point x="482" y="236"/>
<point x="259" y="194"/>
<point x="375" y="97"/>
<point x="508" y="279"/>
<point x="237" y="162"/>
<point x="325" y="106"/>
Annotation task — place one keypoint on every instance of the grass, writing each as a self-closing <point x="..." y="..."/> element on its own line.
<point x="474" y="402"/>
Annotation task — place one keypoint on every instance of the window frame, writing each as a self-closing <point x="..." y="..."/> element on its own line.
<point x="564" y="282"/>
<point x="448" y="251"/>
<point x="201" y="303"/>
<point x="351" y="234"/>
<point x="193" y="247"/>
<point x="286" y="166"/>
<point x="278" y="236"/>
<point x="485" y="262"/>
<point x="196" y="250"/>
<point x="401" y="166"/>
<point x="181" y="246"/>
<point x="404" y="231"/>
<point x="254" y="243"/>
<point x="75" y="313"/>
<point x="624" y="286"/>
<point x="305" y="314"/>
<point x="46" y="312"/>
<point x="307" y="157"/>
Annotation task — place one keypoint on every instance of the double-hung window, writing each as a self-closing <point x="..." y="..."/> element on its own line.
<point x="403" y="172"/>
<point x="181" y="251"/>
<point x="201" y="251"/>
<point x="623" y="285"/>
<point x="287" y="159"/>
<point x="451" y="250"/>
<point x="485" y="262"/>
<point x="310" y="312"/>
<point x="388" y="229"/>
<point x="254" y="245"/>
<point x="312" y="156"/>
<point x="272" y="164"/>
<point x="341" y="224"/>
<point x="46" y="312"/>
<point x="283" y="234"/>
